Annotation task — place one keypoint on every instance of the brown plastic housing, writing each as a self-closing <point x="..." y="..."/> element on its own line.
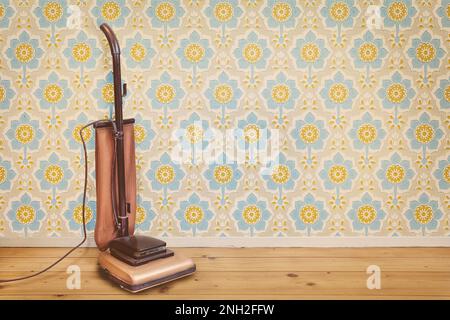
<point x="105" y="227"/>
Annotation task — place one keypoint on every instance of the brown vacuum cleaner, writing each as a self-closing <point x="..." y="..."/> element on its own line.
<point x="134" y="262"/>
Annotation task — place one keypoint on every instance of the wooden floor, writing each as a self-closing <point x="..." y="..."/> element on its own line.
<point x="238" y="273"/>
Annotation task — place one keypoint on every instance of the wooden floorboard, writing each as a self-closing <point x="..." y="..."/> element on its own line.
<point x="246" y="273"/>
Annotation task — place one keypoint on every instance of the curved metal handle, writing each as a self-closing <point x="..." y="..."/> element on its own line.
<point x="111" y="37"/>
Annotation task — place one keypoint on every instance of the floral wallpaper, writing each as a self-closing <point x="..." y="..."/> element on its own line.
<point x="356" y="93"/>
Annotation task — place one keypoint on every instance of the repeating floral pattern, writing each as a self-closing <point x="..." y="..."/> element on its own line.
<point x="361" y="114"/>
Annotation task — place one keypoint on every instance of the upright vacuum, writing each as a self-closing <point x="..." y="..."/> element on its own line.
<point x="134" y="262"/>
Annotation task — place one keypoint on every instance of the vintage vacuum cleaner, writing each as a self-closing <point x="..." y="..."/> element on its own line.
<point x="134" y="262"/>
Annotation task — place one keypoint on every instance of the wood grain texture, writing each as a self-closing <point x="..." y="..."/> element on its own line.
<point x="246" y="273"/>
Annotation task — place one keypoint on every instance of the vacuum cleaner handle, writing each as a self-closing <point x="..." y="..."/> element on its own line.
<point x="120" y="155"/>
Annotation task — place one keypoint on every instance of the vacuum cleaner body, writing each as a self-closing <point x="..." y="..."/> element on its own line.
<point x="135" y="262"/>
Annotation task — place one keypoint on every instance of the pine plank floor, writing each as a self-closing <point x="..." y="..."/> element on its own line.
<point x="246" y="273"/>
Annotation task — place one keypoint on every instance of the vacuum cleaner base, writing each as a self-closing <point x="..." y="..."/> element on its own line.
<point x="151" y="274"/>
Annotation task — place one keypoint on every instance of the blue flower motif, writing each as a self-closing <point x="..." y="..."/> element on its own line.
<point x="54" y="174"/>
<point x="53" y="92"/>
<point x="253" y="134"/>
<point x="7" y="12"/>
<point x="423" y="214"/>
<point x="396" y="92"/>
<point x="442" y="12"/>
<point x="25" y="215"/>
<point x="281" y="13"/>
<point x="143" y="133"/>
<point x="24" y="52"/>
<point x="72" y="133"/>
<point x="339" y="13"/>
<point x="442" y="174"/>
<point x="112" y="12"/>
<point x="223" y="13"/>
<point x="368" y="51"/>
<point x="309" y="214"/>
<point x="281" y="92"/>
<point x="398" y="13"/>
<point x="443" y="94"/>
<point x="165" y="13"/>
<point x="82" y="52"/>
<point x="338" y="92"/>
<point x="144" y="215"/>
<point x="310" y="52"/>
<point x="165" y="92"/>
<point x="338" y="173"/>
<point x="366" y="214"/>
<point x="367" y="133"/>
<point x="426" y="52"/>
<point x="104" y="93"/>
<point x="309" y="133"/>
<point x="251" y="214"/>
<point x="24" y="133"/>
<point x="281" y="174"/>
<point x="6" y="94"/>
<point x="252" y="52"/>
<point x="194" y="214"/>
<point x="52" y="13"/>
<point x="424" y="133"/>
<point x="194" y="52"/>
<point x="7" y="174"/>
<point x="223" y="174"/>
<point x="74" y="214"/>
<point x="138" y="52"/>
<point x="164" y="174"/>
<point x="223" y="93"/>
<point x="395" y="173"/>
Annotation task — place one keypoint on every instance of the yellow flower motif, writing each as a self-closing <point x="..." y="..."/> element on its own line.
<point x="194" y="214"/>
<point x="309" y="133"/>
<point x="223" y="93"/>
<point x="2" y="94"/>
<point x="367" y="214"/>
<point x="108" y="93"/>
<point x="87" y="133"/>
<point x="338" y="93"/>
<point x="281" y="93"/>
<point x="395" y="173"/>
<point x="24" y="133"/>
<point x="368" y="52"/>
<point x="165" y="93"/>
<point x="310" y="52"/>
<point x="25" y="214"/>
<point x="251" y="133"/>
<point x="223" y="11"/>
<point x="2" y="175"/>
<point x="54" y="174"/>
<point x="446" y="93"/>
<point x="338" y="174"/>
<point x="281" y="174"/>
<point x="194" y="133"/>
<point x="2" y="11"/>
<point x="396" y="93"/>
<point x="251" y="214"/>
<point x="425" y="52"/>
<point x="339" y="11"/>
<point x="138" y="52"/>
<point x="397" y="11"/>
<point x="81" y="52"/>
<point x="78" y="214"/>
<point x="309" y="214"/>
<point x="367" y="133"/>
<point x="53" y="11"/>
<point x="424" y="133"/>
<point x="281" y="11"/>
<point x="24" y="52"/>
<point x="165" y="174"/>
<point x="447" y="174"/>
<point x="223" y="174"/>
<point x="140" y="215"/>
<point x="252" y="52"/>
<point x="194" y="52"/>
<point x="165" y="11"/>
<point x="53" y="93"/>
<point x="423" y="214"/>
<point x="139" y="133"/>
<point x="111" y="11"/>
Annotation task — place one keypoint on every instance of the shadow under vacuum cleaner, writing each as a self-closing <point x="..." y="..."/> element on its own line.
<point x="134" y="262"/>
